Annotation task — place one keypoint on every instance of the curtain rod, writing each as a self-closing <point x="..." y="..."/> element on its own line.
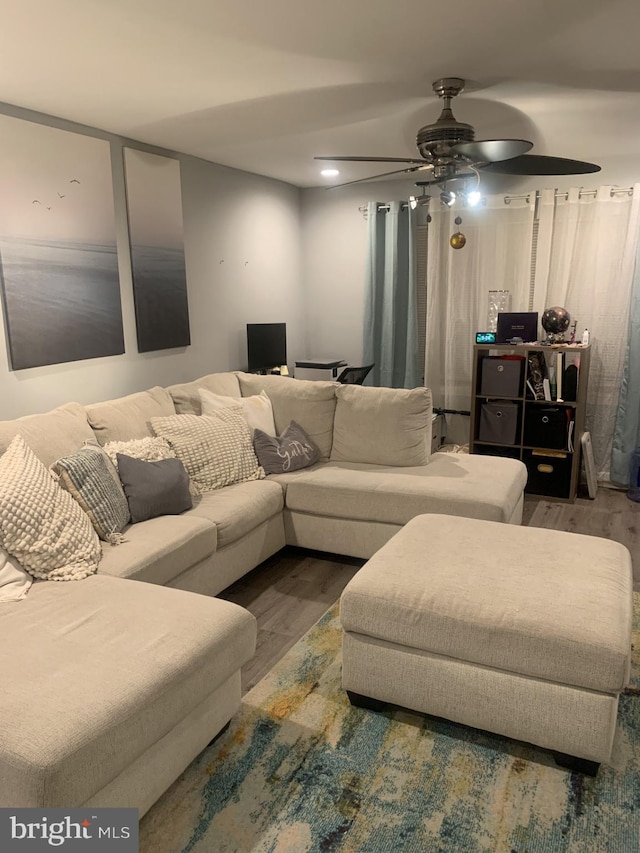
<point x="565" y="194"/>
<point x="535" y="194"/>
<point x="382" y="206"/>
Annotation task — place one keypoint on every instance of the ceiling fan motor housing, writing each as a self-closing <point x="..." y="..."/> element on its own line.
<point x="435" y="140"/>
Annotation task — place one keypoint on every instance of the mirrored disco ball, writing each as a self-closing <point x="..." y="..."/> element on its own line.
<point x="555" y="322"/>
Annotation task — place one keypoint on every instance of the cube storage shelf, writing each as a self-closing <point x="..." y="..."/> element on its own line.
<point x="507" y="419"/>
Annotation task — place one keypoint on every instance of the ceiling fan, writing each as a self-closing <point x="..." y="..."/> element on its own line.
<point x="448" y="150"/>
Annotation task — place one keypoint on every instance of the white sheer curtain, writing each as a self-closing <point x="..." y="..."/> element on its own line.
<point x="586" y="264"/>
<point x="497" y="256"/>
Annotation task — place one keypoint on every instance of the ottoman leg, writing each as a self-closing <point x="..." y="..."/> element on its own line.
<point x="576" y="765"/>
<point x="366" y="702"/>
<point x="219" y="735"/>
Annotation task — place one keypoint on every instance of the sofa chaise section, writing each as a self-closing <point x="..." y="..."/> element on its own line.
<point x="359" y="507"/>
<point x="135" y="681"/>
<point x="378" y="472"/>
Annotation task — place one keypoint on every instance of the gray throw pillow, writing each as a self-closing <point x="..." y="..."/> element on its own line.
<point x="154" y="488"/>
<point x="290" y="451"/>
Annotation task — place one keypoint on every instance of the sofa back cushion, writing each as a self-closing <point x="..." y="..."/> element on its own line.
<point x="382" y="426"/>
<point x="129" y="417"/>
<point x="310" y="404"/>
<point x="186" y="398"/>
<point x="50" y="435"/>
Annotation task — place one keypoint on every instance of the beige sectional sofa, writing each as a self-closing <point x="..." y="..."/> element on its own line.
<point x="112" y="686"/>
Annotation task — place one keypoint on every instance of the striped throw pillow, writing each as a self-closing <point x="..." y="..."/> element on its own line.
<point x="91" y="479"/>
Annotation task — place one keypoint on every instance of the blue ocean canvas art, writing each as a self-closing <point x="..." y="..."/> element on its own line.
<point x="62" y="301"/>
<point x="154" y="206"/>
<point x="58" y="257"/>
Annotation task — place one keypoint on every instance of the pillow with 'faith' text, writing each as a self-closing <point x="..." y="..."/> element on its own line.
<point x="290" y="451"/>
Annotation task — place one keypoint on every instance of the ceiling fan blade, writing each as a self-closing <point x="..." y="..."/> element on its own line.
<point x="383" y="175"/>
<point x="376" y="159"/>
<point x="539" y="164"/>
<point x="492" y="150"/>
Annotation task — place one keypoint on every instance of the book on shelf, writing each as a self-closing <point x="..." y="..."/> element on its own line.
<point x="570" y="432"/>
<point x="570" y="380"/>
<point x="559" y="375"/>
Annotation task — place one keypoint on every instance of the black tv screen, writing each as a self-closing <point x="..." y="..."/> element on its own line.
<point x="266" y="345"/>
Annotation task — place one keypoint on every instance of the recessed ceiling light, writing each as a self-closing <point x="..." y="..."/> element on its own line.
<point x="329" y="173"/>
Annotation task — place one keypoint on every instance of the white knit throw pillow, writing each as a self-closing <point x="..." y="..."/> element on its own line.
<point x="215" y="449"/>
<point x="40" y="524"/>
<point x="149" y="449"/>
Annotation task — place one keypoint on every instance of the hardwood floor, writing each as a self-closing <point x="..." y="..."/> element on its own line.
<point x="289" y="592"/>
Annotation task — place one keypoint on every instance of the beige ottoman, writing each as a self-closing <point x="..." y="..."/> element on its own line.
<point x="520" y="631"/>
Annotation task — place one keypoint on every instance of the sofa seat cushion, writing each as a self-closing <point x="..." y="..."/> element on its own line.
<point x="453" y="483"/>
<point x="97" y="672"/>
<point x="52" y="434"/>
<point x="238" y="509"/>
<point x="159" y="549"/>
<point x="541" y="603"/>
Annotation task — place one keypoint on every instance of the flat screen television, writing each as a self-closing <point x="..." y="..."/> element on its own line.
<point x="266" y="345"/>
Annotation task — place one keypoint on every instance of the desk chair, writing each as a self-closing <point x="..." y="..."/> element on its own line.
<point x="354" y="375"/>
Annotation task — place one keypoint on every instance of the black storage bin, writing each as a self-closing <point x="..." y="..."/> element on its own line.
<point x="546" y="426"/>
<point x="501" y="376"/>
<point x="498" y="423"/>
<point x="548" y="474"/>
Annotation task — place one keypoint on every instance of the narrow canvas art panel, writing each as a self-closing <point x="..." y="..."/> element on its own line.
<point x="58" y="258"/>
<point x="154" y="205"/>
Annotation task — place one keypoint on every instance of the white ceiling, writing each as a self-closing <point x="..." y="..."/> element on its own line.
<point x="263" y="85"/>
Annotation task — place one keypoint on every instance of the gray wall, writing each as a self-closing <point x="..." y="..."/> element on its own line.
<point x="243" y="259"/>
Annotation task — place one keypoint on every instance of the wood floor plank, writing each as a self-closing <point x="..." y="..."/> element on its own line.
<point x="270" y="648"/>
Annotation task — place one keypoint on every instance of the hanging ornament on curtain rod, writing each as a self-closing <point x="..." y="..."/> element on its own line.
<point x="458" y="239"/>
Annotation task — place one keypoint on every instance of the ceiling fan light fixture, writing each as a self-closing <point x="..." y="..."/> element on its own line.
<point x="473" y="198"/>
<point x="447" y="197"/>
<point x="330" y="173"/>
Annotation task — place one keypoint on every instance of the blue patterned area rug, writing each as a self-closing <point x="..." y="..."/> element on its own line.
<point x="300" y="770"/>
